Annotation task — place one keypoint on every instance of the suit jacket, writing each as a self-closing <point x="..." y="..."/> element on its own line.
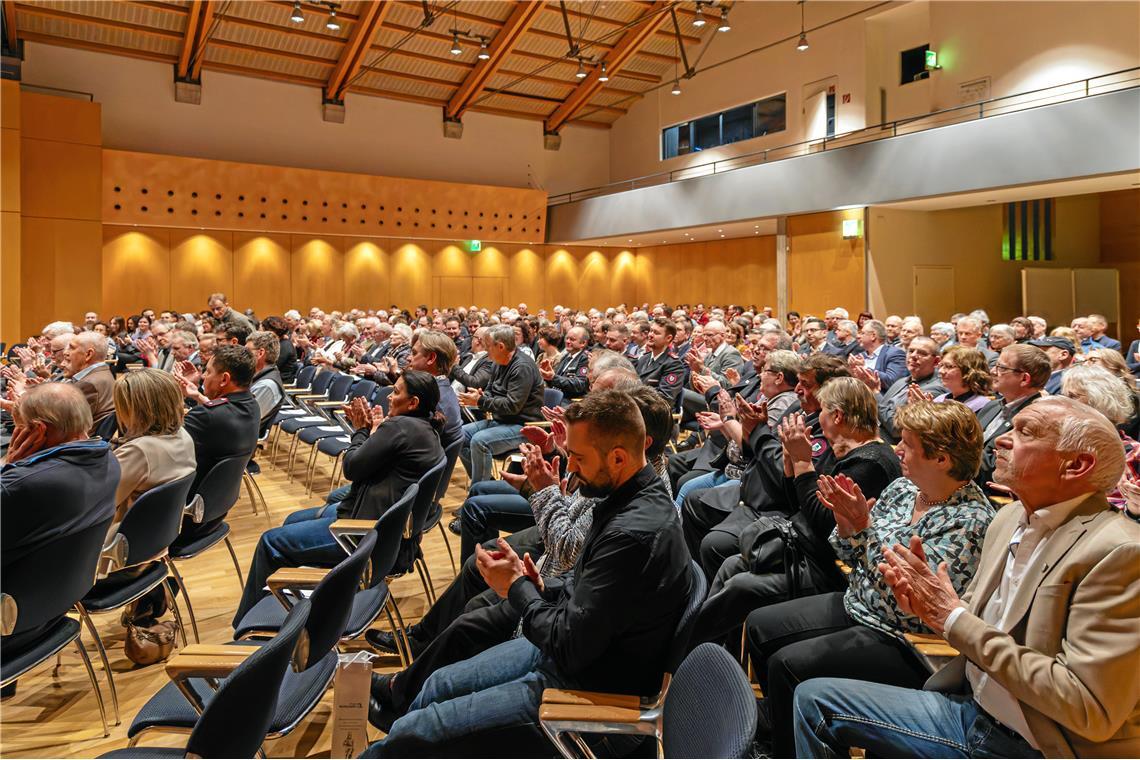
<point x="890" y="364"/>
<point x="664" y="374"/>
<point x="990" y="413"/>
<point x="570" y="374"/>
<point x="98" y="387"/>
<point x="897" y="395"/>
<point x="1071" y="658"/>
<point x="727" y="358"/>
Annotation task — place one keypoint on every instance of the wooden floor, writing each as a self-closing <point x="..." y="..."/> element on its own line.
<point x="59" y="717"/>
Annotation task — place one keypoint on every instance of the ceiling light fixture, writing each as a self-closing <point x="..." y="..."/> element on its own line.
<point x="724" y="26"/>
<point x="484" y="54"/>
<point x="676" y="87"/>
<point x="603" y="76"/>
<point x="802" y="45"/>
<point x="581" y="73"/>
<point x="699" y="21"/>
<point x="297" y="17"/>
<point x="332" y="25"/>
<point x="455" y="48"/>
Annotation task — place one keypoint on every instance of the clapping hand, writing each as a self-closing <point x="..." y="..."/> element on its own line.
<point x="187" y="374"/>
<point x="914" y="394"/>
<point x="710" y="421"/>
<point x="794" y="437"/>
<point x="704" y="383"/>
<point x="539" y="473"/>
<point x="732" y="376"/>
<point x="920" y="592"/>
<point x="500" y="569"/>
<point x="845" y="499"/>
<point x="539" y="437"/>
<point x="553" y="414"/>
<point x="725" y="405"/>
<point x="695" y="363"/>
<point x="868" y="377"/>
<point x="470" y="397"/>
<point x="545" y="369"/>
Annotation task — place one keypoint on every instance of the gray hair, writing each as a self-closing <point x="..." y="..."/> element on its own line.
<point x="347" y="330"/>
<point x="1101" y="390"/>
<point x="1082" y="429"/>
<point x="403" y="331"/>
<point x="945" y="328"/>
<point x="267" y="341"/>
<point x="602" y="359"/>
<point x="504" y="334"/>
<point x="186" y="337"/>
<point x="847" y="325"/>
<point x="94" y="341"/>
<point x="878" y="327"/>
<point x="787" y="363"/>
<point x="62" y="407"/>
<point x="55" y="329"/>
<point x="293" y="314"/>
<point x="981" y="316"/>
<point x="1005" y="330"/>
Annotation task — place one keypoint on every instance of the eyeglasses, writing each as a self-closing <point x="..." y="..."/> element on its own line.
<point x="1002" y="369"/>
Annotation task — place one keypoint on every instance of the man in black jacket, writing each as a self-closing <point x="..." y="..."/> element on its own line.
<point x="570" y="374"/>
<point x="513" y="396"/>
<point x="608" y="628"/>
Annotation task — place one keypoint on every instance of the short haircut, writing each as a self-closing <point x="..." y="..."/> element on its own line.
<point x="617" y="378"/>
<point x="186" y="337"/>
<point x="93" y="341"/>
<point x="948" y="428"/>
<point x="602" y="359"/>
<point x="787" y="363"/>
<point x="1100" y="389"/>
<point x="148" y="402"/>
<point x="1032" y="361"/>
<point x="504" y="334"/>
<point x="216" y="297"/>
<point x="824" y="367"/>
<point x="622" y="329"/>
<point x="1005" y="330"/>
<point x="974" y="367"/>
<point x="277" y="325"/>
<point x="237" y="360"/>
<point x="268" y="342"/>
<point x="854" y="400"/>
<point x="614" y="420"/>
<point x="1080" y="428"/>
<point x="403" y="331"/>
<point x="669" y="328"/>
<point x="816" y="321"/>
<point x="347" y="330"/>
<point x="237" y="331"/>
<point x="657" y="416"/>
<point x="62" y="407"/>
<point x="442" y="346"/>
<point x="1112" y="360"/>
<point x="878" y="328"/>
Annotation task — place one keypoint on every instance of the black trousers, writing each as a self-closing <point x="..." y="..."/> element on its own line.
<point x="468" y="589"/>
<point x="712" y="520"/>
<point x="734" y="593"/>
<point x="813" y="637"/>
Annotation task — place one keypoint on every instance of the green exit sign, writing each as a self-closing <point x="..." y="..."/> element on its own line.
<point x="931" y="59"/>
<point x="474" y="246"/>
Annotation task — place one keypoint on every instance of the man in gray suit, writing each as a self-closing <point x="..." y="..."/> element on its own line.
<point x="721" y="355"/>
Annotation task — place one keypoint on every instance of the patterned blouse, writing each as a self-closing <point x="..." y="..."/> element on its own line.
<point x="951" y="532"/>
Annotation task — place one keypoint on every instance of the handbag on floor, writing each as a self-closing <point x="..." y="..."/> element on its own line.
<point x="149" y="641"/>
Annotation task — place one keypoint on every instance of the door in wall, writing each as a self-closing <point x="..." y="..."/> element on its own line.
<point x="489" y="292"/>
<point x="453" y="292"/>
<point x="934" y="297"/>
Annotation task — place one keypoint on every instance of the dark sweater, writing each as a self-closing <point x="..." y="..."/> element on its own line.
<point x="383" y="464"/>
<point x="515" y="393"/>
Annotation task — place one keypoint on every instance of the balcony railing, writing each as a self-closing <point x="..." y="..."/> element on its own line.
<point x="1124" y="79"/>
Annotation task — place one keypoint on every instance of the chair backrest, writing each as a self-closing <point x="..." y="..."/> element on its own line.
<point x="322" y="380"/>
<point x="452" y="455"/>
<point x="421" y="507"/>
<point x="552" y="397"/>
<point x="697" y="592"/>
<point x="221" y="486"/>
<point x="381" y="397"/>
<point x="106" y="428"/>
<point x="390" y="531"/>
<point x="338" y="388"/>
<point x="697" y="725"/>
<point x="238" y="716"/>
<point x="332" y="600"/>
<point x="305" y="375"/>
<point x="362" y="389"/>
<point x="46" y="583"/>
<point x="153" y="521"/>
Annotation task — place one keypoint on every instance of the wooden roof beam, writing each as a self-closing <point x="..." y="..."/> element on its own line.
<point x="359" y="42"/>
<point x="10" y="25"/>
<point x="194" y="39"/>
<point x="624" y="51"/>
<point x="606" y="21"/>
<point x="501" y="46"/>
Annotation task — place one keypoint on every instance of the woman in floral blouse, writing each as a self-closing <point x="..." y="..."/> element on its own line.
<point x="858" y="633"/>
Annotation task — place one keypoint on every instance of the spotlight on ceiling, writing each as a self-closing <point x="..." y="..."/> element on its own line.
<point x="332" y="25"/>
<point x="676" y="87"/>
<point x="484" y="54"/>
<point x="297" y="17"/>
<point x="455" y="49"/>
<point x="802" y="45"/>
<point x="699" y="21"/>
<point x="581" y="72"/>
<point x="602" y="75"/>
<point x="724" y="26"/>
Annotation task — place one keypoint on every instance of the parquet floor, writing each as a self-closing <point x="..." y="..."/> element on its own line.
<point x="59" y="717"/>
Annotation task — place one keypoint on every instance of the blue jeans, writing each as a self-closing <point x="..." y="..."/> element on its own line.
<point x="708" y="480"/>
<point x="304" y="539"/>
<point x="491" y="506"/>
<point x="482" y="440"/>
<point x="499" y="688"/>
<point x="834" y="714"/>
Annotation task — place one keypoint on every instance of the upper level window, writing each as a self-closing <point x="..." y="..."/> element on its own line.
<point x="741" y="123"/>
<point x="912" y="65"/>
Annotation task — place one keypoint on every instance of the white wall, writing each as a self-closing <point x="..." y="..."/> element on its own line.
<point x="260" y="121"/>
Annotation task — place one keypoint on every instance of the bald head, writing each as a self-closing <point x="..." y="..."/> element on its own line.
<point x="616" y="379"/>
<point x="58" y="410"/>
<point x="85" y="350"/>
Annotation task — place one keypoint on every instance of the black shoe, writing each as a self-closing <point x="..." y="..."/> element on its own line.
<point x="456" y="527"/>
<point x="381" y="641"/>
<point x="379" y="716"/>
<point x="9" y="690"/>
<point x="382" y="711"/>
<point x="763" y="719"/>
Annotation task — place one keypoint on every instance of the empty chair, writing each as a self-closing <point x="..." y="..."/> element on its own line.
<point x="235" y="718"/>
<point x="217" y="493"/>
<point x="142" y="542"/>
<point x="338" y="427"/>
<point x="552" y="397"/>
<point x="106" y="428"/>
<point x="317" y="404"/>
<point x="38" y="590"/>
<point x="411" y="558"/>
<point x="435" y="514"/>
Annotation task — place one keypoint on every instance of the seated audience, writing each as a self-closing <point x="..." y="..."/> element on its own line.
<point x="513" y="396"/>
<point x="966" y="375"/>
<point x="1111" y="396"/>
<point x="857" y="633"/>
<point x="969" y="334"/>
<point x="1097" y="324"/>
<point x="844" y="344"/>
<point x="886" y="360"/>
<point x="266" y="386"/>
<point x="224" y="314"/>
<point x="1061" y="353"/>
<point x="1020" y="374"/>
<point x="435" y="354"/>
<point x="921" y="364"/>
<point x="474" y="370"/>
<point x="658" y="366"/>
<point x="86" y="367"/>
<point x="568" y="374"/>
<point x="1046" y="629"/>
<point x="386" y="455"/>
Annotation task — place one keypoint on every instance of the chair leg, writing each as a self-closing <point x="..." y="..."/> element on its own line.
<point x="189" y="607"/>
<point x="398" y="636"/>
<point x="311" y="470"/>
<point x="425" y="573"/>
<point x="102" y="656"/>
<point x="94" y="684"/>
<point x="338" y="471"/>
<point x="293" y="454"/>
<point x="261" y="497"/>
<point x="237" y="567"/>
<point x="403" y="628"/>
<point x="447" y="543"/>
<point x="170" y="600"/>
<point x="246" y="478"/>
<point x="418" y="564"/>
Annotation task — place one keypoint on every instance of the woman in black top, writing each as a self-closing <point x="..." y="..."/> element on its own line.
<point x="287" y="358"/>
<point x="387" y="454"/>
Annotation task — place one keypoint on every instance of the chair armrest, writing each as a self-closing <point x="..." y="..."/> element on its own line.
<point x="539" y="424"/>
<point x="328" y="404"/>
<point x="595" y="698"/>
<point x="8" y="614"/>
<point x="930" y="645"/>
<point x="351" y="527"/>
<point x="843" y="567"/>
<point x="1001" y="501"/>
<point x="206" y="661"/>
<point x="293" y="579"/>
<point x="310" y="396"/>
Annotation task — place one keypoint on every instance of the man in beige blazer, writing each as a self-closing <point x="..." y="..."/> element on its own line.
<point x="1048" y="631"/>
<point x="86" y="366"/>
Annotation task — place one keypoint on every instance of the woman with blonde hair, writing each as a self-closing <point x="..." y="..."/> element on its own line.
<point x="966" y="375"/>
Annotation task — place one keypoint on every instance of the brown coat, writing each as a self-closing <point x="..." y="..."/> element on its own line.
<point x="98" y="387"/>
<point x="1072" y="658"/>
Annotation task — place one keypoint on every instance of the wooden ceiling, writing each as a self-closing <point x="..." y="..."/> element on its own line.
<point x="385" y="49"/>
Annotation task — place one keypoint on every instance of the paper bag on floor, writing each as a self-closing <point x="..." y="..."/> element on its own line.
<point x="350" y="704"/>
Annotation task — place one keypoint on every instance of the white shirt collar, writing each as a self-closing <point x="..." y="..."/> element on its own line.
<point x="85" y="371"/>
<point x="1053" y="516"/>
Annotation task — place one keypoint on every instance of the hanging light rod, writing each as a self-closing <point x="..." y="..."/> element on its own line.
<point x="332" y="24"/>
<point x="297" y="17"/>
<point x="802" y="45"/>
<point x="724" y="26"/>
<point x="700" y="21"/>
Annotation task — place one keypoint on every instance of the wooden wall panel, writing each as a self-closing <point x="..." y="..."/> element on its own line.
<point x="262" y="275"/>
<point x="411" y="275"/>
<point x="488" y="290"/>
<point x="623" y="278"/>
<point x="37" y="275"/>
<point x="593" y="277"/>
<point x="824" y="270"/>
<point x="10" y="257"/>
<point x="78" y="273"/>
<point x="367" y="274"/>
<point x="456" y="291"/>
<point x="526" y="283"/>
<point x="136" y="269"/>
<point x="317" y="267"/>
<point x="67" y="120"/>
<point x="561" y="277"/>
<point x="201" y="263"/>
<point x="60" y="180"/>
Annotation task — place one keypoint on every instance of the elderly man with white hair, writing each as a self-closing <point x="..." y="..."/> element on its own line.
<point x="86" y="367"/>
<point x="1047" y="630"/>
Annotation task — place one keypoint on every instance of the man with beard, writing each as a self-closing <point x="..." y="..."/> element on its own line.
<point x="606" y="628"/>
